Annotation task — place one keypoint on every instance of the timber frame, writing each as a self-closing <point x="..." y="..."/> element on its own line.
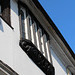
<point x="30" y="49"/>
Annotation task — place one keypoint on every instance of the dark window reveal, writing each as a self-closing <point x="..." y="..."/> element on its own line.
<point x="32" y="30"/>
<point x="32" y="33"/>
<point x="0" y="6"/>
<point x="5" y="11"/>
<point x="0" y="9"/>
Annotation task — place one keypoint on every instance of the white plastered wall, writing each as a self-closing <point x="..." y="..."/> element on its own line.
<point x="6" y="43"/>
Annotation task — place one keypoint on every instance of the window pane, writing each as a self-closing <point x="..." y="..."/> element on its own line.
<point x="22" y="24"/>
<point x="30" y="26"/>
<point x="0" y="9"/>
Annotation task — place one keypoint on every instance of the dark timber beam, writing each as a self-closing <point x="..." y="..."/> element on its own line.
<point x="5" y="10"/>
<point x="37" y="57"/>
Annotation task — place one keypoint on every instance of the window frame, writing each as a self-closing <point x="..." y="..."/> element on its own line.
<point x="24" y="23"/>
<point x="6" y="69"/>
<point x="29" y="26"/>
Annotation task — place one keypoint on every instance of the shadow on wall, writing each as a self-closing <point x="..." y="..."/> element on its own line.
<point x="1" y="26"/>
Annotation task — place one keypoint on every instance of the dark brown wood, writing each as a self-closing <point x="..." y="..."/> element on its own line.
<point x="36" y="56"/>
<point x="5" y="6"/>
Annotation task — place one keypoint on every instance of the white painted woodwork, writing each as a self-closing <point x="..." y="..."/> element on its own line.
<point x="23" y="32"/>
<point x="37" y="38"/>
<point x="42" y="41"/>
<point x="28" y="31"/>
<point x="44" y="44"/>
<point x="31" y="29"/>
<point x="48" y="49"/>
<point x="34" y="34"/>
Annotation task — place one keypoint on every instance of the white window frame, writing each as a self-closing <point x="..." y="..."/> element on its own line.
<point x="48" y="48"/>
<point x="37" y="37"/>
<point x="31" y="30"/>
<point x="34" y="32"/>
<point x="42" y="41"/>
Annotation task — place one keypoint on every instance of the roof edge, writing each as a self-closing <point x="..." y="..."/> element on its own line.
<point x="38" y="5"/>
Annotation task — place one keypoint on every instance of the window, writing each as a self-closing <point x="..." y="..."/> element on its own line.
<point x="6" y="70"/>
<point x="0" y="6"/>
<point x="48" y="47"/>
<point x="38" y="40"/>
<point x="31" y="29"/>
<point x="42" y="40"/>
<point x="22" y="25"/>
<point x="0" y="9"/>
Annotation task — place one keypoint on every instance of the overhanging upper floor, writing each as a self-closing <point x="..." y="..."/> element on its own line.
<point x="34" y="6"/>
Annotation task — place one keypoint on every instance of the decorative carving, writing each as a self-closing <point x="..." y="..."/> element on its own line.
<point x="37" y="57"/>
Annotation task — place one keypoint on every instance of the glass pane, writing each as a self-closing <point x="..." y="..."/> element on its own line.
<point x="22" y="24"/>
<point x="35" y="27"/>
<point x="40" y="31"/>
<point x="0" y="9"/>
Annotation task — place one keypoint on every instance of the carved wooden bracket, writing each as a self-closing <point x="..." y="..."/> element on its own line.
<point x="36" y="56"/>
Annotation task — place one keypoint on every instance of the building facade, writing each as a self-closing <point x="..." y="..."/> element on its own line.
<point x="30" y="43"/>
